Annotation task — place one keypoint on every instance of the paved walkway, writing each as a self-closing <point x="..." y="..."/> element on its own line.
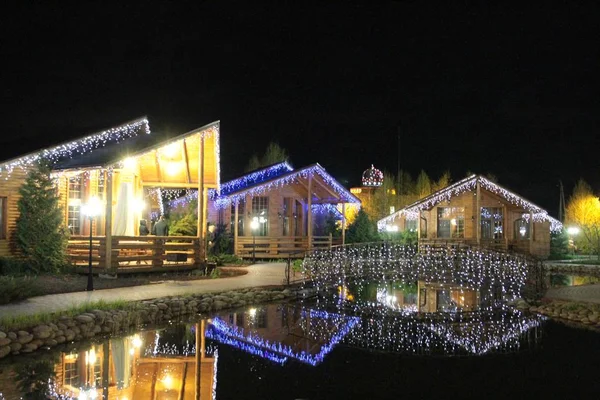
<point x="584" y="293"/>
<point x="258" y="275"/>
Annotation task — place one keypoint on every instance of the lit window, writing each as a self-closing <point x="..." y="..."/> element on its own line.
<point x="260" y="210"/>
<point x="75" y="187"/>
<point x="492" y="225"/>
<point x="3" y="208"/>
<point x="451" y="222"/>
<point x="74" y="219"/>
<point x="522" y="229"/>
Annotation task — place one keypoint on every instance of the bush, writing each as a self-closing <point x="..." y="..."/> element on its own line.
<point x="15" y="266"/>
<point x="222" y="259"/>
<point x="362" y="230"/>
<point x="221" y="241"/>
<point x="16" y="288"/>
<point x="297" y="265"/>
<point x="407" y="238"/>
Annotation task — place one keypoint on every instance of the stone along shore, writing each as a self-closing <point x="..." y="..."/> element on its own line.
<point x="99" y="323"/>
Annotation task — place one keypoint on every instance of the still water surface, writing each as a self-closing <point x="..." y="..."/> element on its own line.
<point x="313" y="351"/>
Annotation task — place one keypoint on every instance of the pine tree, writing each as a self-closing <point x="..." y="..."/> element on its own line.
<point x="423" y="185"/>
<point x="362" y="229"/>
<point x="40" y="232"/>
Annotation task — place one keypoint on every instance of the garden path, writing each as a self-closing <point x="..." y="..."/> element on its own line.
<point x="258" y="275"/>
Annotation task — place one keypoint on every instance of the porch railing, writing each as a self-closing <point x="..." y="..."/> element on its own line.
<point x="139" y="253"/>
<point x="280" y="247"/>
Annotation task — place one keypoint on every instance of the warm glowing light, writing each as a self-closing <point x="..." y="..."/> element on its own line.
<point x="90" y="357"/>
<point x="453" y="221"/>
<point x="137" y="205"/>
<point x="93" y="208"/>
<point x="572" y="230"/>
<point x="252" y="312"/>
<point x="254" y="224"/>
<point x="129" y="163"/>
<point x="391" y="228"/>
<point x="171" y="150"/>
<point x="168" y="381"/>
<point x="356" y="190"/>
<point x="137" y="342"/>
<point x="172" y="168"/>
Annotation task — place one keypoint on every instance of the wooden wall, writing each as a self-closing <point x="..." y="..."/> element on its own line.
<point x="9" y="188"/>
<point x="276" y="197"/>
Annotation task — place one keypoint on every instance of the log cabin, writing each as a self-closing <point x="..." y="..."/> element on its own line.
<point x="123" y="171"/>
<point x="476" y="211"/>
<point x="271" y="206"/>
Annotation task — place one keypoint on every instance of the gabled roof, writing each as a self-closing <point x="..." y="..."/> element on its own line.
<point x="279" y="351"/>
<point x="467" y="184"/>
<point x="67" y="152"/>
<point x="255" y="177"/>
<point x="261" y="181"/>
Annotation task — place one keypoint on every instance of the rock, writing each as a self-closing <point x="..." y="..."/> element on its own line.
<point x="42" y="332"/>
<point x="37" y="342"/>
<point x="2" y="335"/>
<point x="84" y="318"/>
<point x="23" y="333"/>
<point x="5" y="342"/>
<point x="25" y="339"/>
<point x="219" y="305"/>
<point x="15" y="347"/>
<point x="69" y="334"/>
<point x="51" y="342"/>
<point x="29" y="347"/>
<point x="60" y="339"/>
<point x="12" y="335"/>
<point x="162" y="306"/>
<point x="4" y="351"/>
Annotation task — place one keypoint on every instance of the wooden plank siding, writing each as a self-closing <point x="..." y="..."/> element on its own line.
<point x="9" y="189"/>
<point x="538" y="246"/>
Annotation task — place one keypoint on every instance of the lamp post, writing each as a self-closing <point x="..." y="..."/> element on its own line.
<point x="254" y="227"/>
<point x="91" y="210"/>
<point x="572" y="231"/>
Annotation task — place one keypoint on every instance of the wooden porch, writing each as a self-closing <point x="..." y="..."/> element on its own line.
<point x="133" y="254"/>
<point x="262" y="247"/>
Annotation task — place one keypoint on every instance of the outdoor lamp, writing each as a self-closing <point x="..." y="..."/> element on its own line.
<point x="572" y="230"/>
<point x="91" y="210"/>
<point x="254" y="227"/>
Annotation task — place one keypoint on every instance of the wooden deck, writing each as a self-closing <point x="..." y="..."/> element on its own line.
<point x="137" y="253"/>
<point x="280" y="247"/>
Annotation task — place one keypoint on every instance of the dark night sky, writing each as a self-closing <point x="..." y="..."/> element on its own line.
<point x="501" y="89"/>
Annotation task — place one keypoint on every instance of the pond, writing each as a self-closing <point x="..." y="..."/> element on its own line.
<point x="369" y="342"/>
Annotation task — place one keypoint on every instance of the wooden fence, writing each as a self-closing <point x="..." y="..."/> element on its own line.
<point x="137" y="253"/>
<point x="280" y="247"/>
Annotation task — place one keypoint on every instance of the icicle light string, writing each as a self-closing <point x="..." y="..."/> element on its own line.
<point x="465" y="185"/>
<point x="78" y="147"/>
<point x="473" y="269"/>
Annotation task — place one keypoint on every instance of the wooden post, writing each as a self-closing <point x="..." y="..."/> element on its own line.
<point x="199" y="351"/>
<point x="309" y="214"/>
<point x="235" y="229"/>
<point x="478" y="212"/>
<point x="343" y="224"/>
<point x="201" y="222"/>
<point x="108" y="222"/>
<point x="530" y="231"/>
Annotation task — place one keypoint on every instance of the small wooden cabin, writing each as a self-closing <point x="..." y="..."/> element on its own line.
<point x="279" y="211"/>
<point x="125" y="170"/>
<point x="479" y="212"/>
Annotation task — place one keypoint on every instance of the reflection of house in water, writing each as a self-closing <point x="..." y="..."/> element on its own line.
<point x="473" y="333"/>
<point x="280" y="333"/>
<point x="412" y="296"/>
<point x="132" y="368"/>
<point x="433" y="297"/>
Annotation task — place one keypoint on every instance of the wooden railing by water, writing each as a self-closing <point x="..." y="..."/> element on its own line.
<point x="280" y="247"/>
<point x="137" y="253"/>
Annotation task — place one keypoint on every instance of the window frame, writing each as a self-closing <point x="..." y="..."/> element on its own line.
<point x="3" y="217"/>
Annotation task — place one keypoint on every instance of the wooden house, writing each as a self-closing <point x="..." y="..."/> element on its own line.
<point x="476" y="211"/>
<point x="279" y="211"/>
<point x="124" y="171"/>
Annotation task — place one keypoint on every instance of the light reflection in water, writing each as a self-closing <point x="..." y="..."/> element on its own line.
<point x="163" y="364"/>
